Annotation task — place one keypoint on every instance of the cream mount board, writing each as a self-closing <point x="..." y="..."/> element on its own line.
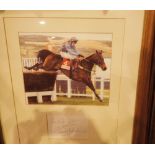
<point x="105" y="121"/>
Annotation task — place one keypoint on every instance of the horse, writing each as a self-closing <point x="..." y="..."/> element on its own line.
<point x="82" y="73"/>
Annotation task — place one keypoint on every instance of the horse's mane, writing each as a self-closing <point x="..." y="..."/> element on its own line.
<point x="87" y="59"/>
<point x="90" y="56"/>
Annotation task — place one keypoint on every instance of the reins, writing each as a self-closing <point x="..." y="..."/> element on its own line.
<point x="89" y="61"/>
<point x="85" y="68"/>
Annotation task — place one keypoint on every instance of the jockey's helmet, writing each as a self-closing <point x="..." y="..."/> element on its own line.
<point x="73" y="39"/>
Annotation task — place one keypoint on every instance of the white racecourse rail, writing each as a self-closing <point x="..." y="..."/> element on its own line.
<point x="32" y="61"/>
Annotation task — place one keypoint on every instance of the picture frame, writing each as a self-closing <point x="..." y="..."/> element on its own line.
<point x="143" y="117"/>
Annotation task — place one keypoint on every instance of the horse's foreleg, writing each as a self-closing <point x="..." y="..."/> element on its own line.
<point x="91" y="86"/>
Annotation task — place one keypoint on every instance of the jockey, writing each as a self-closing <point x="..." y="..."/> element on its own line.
<point x="69" y="51"/>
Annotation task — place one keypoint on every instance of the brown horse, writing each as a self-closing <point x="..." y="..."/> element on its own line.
<point x="81" y="74"/>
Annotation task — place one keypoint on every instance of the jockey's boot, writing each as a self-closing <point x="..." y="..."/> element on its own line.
<point x="75" y="64"/>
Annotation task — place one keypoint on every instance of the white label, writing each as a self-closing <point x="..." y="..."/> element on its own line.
<point x="67" y="126"/>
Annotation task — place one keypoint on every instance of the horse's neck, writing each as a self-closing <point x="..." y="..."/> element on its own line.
<point x="88" y="64"/>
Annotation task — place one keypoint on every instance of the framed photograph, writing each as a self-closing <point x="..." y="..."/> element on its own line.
<point x="47" y="72"/>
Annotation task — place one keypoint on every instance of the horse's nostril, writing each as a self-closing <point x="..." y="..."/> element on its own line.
<point x="105" y="68"/>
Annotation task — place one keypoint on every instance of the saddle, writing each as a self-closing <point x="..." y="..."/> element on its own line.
<point x="69" y="64"/>
<point x="66" y="64"/>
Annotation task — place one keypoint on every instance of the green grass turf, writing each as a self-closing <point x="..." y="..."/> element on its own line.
<point x="82" y="100"/>
<point x="79" y="101"/>
<point x="63" y="100"/>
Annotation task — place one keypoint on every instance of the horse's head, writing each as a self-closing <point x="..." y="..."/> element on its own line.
<point x="99" y="60"/>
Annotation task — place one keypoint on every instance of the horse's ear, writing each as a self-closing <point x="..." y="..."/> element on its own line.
<point x="100" y="52"/>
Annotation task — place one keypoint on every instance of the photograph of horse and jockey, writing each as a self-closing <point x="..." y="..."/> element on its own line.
<point x="66" y="68"/>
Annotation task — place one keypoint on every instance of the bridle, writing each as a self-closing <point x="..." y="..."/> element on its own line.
<point x="99" y="60"/>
